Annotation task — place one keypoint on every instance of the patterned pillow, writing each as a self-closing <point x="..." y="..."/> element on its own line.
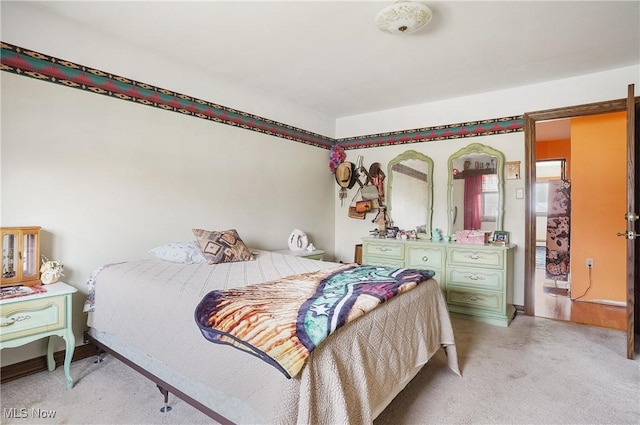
<point x="222" y="247"/>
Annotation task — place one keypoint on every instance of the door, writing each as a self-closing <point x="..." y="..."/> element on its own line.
<point x="632" y="233"/>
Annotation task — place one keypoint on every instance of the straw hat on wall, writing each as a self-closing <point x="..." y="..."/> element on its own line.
<point x="346" y="175"/>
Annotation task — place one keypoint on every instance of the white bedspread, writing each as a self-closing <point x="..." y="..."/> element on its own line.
<point x="144" y="310"/>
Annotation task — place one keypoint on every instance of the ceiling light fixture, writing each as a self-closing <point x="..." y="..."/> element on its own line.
<point x="403" y="17"/>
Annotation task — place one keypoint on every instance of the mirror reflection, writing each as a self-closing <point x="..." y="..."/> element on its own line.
<point x="410" y="191"/>
<point x="476" y="189"/>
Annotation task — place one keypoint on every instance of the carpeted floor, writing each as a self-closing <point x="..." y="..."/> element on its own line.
<point x="536" y="371"/>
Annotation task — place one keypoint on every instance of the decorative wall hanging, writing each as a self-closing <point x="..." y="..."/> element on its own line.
<point x="512" y="170"/>
<point x="346" y="178"/>
<point x="558" y="230"/>
<point x="336" y="157"/>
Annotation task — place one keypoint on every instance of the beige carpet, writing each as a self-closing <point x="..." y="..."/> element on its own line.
<point x="537" y="371"/>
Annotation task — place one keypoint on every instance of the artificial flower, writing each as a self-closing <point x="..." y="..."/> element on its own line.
<point x="336" y="157"/>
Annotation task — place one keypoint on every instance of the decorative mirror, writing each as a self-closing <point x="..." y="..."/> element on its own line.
<point x="410" y="191"/>
<point x="476" y="189"/>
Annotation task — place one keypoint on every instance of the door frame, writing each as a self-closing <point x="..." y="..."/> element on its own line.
<point x="530" y="119"/>
<point x="633" y="203"/>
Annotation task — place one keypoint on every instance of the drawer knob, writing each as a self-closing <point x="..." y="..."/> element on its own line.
<point x="472" y="297"/>
<point x="14" y="320"/>
<point x="474" y="277"/>
<point x="383" y="249"/>
<point x="8" y="323"/>
<point x="425" y="258"/>
<point x="475" y="257"/>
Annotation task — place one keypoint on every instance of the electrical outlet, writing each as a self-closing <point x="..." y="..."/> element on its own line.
<point x="589" y="263"/>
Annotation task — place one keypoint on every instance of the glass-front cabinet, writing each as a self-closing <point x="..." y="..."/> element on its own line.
<point x="20" y="256"/>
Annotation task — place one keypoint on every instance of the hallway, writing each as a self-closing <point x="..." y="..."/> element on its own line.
<point x="575" y="157"/>
<point x="551" y="303"/>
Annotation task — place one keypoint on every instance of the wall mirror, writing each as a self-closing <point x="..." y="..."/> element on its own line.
<point x="476" y="189"/>
<point x="410" y="191"/>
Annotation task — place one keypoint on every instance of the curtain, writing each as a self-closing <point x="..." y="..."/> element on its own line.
<point x="473" y="202"/>
<point x="558" y="230"/>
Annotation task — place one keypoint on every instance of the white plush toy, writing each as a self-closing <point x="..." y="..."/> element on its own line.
<point x="50" y="272"/>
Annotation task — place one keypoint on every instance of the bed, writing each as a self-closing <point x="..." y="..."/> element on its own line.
<point x="142" y="311"/>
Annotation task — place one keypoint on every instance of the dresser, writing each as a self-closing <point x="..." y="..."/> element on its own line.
<point x="409" y="254"/>
<point x="28" y="318"/>
<point x="477" y="280"/>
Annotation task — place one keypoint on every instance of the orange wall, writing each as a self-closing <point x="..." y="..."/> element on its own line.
<point x="555" y="149"/>
<point x="598" y="203"/>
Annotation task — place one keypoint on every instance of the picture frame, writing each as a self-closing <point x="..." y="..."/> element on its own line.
<point x="512" y="170"/>
<point x="500" y="237"/>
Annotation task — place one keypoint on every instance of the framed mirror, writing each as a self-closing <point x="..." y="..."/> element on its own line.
<point x="476" y="189"/>
<point x="410" y="191"/>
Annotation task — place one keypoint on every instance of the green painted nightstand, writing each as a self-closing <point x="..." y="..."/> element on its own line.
<point x="318" y="254"/>
<point x="31" y="317"/>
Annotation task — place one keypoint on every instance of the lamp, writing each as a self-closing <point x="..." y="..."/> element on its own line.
<point x="403" y="17"/>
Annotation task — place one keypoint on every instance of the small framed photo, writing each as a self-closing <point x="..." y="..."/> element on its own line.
<point x="512" y="170"/>
<point x="501" y="237"/>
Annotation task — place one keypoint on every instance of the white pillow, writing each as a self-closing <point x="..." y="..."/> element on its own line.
<point x="179" y="252"/>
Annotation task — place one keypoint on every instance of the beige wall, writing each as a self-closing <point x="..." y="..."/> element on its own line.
<point x="108" y="180"/>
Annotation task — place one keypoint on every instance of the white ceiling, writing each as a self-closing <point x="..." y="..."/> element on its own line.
<point x="329" y="56"/>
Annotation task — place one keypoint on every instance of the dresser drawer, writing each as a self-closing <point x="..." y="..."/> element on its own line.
<point x="387" y="249"/>
<point x="476" y="257"/>
<point x="32" y="317"/>
<point x="425" y="258"/>
<point x="476" y="278"/>
<point x="476" y="299"/>
<point x="382" y="261"/>
<point x="438" y="278"/>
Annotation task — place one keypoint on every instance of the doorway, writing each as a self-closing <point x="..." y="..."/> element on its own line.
<point x="531" y="119"/>
<point x="566" y="237"/>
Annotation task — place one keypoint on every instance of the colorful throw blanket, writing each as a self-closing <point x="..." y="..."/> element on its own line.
<point x="282" y="321"/>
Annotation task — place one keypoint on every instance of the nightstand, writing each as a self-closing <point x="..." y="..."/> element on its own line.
<point x="318" y="254"/>
<point x="31" y="317"/>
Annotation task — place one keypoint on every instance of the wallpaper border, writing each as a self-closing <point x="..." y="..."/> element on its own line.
<point x="36" y="65"/>
<point x="440" y="132"/>
<point x="17" y="60"/>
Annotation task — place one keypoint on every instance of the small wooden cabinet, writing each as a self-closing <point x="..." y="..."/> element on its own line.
<point x="31" y="317"/>
<point x="477" y="279"/>
<point x="20" y="256"/>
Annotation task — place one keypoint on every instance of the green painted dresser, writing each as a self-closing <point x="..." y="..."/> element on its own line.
<point x="477" y="279"/>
